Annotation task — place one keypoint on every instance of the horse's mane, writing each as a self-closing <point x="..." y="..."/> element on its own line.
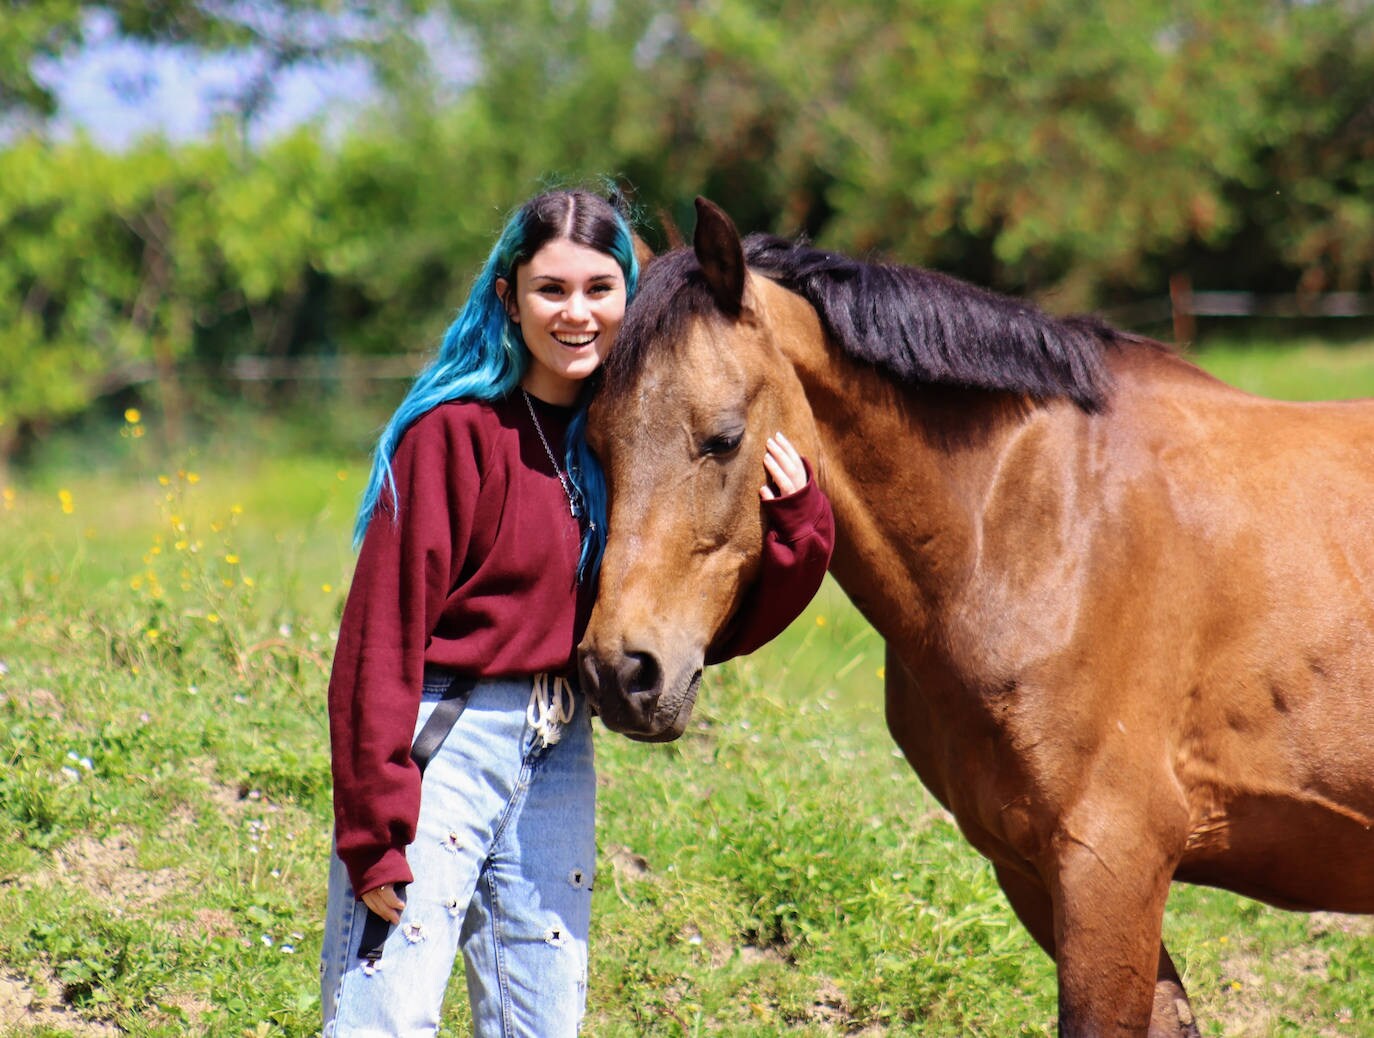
<point x="920" y="326"/>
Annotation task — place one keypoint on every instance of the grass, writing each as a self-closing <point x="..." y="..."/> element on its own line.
<point x="165" y="639"/>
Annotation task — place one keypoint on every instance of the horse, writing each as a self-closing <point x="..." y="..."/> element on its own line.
<point x="1128" y="609"/>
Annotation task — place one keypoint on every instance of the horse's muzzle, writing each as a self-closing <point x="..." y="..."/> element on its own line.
<point x="628" y="692"/>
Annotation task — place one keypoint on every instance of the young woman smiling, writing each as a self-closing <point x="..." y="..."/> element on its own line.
<point x="455" y="657"/>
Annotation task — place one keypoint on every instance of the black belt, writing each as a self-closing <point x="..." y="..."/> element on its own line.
<point x="436" y="728"/>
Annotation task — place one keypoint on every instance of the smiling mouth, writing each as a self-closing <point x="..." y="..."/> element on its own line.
<point x="577" y="340"/>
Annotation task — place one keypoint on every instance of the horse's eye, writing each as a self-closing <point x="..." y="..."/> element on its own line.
<point x="723" y="445"/>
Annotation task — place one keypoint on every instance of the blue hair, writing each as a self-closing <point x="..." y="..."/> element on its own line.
<point x="585" y="470"/>
<point x="483" y="357"/>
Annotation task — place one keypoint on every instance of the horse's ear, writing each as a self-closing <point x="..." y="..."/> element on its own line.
<point x="716" y="243"/>
<point x="671" y="231"/>
<point x="644" y="252"/>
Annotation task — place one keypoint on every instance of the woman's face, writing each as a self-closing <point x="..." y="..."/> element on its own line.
<point x="568" y="301"/>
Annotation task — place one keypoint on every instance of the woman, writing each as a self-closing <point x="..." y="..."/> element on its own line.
<point x="455" y="653"/>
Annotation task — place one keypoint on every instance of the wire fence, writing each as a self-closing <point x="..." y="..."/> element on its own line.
<point x="1180" y="310"/>
<point x="1183" y="306"/>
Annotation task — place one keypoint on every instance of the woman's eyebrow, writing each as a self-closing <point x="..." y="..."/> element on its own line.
<point x="608" y="276"/>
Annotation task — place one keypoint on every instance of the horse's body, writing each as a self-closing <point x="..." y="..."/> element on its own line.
<point x="1129" y="610"/>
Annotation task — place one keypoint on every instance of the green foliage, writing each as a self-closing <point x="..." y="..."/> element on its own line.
<point x="1082" y="153"/>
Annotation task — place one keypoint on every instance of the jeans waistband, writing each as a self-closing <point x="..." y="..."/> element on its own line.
<point x="442" y="678"/>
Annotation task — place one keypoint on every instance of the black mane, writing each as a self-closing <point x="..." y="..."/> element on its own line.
<point x="920" y="326"/>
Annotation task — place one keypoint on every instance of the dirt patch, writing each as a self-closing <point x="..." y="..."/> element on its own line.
<point x="626" y="864"/>
<point x="1321" y="923"/>
<point x="1246" y="1000"/>
<point x="107" y="869"/>
<point x="25" y="1007"/>
<point x="38" y="701"/>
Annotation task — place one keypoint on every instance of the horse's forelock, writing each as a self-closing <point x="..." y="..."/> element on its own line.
<point x="672" y="291"/>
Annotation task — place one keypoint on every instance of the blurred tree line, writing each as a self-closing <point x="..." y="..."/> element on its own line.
<point x="1079" y="152"/>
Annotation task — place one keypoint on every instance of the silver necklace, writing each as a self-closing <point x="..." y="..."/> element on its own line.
<point x="569" y="491"/>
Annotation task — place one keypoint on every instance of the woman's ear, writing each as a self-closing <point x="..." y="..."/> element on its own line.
<point x="503" y="293"/>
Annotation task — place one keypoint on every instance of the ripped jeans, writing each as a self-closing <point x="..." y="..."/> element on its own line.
<point x="503" y="860"/>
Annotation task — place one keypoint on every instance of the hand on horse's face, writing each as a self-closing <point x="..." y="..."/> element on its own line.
<point x="785" y="467"/>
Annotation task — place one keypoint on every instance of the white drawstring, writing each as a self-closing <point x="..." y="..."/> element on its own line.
<point x="551" y="707"/>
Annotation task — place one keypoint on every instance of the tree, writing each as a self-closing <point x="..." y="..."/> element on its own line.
<point x="277" y="34"/>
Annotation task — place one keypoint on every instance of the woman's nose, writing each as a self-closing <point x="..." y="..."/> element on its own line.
<point x="577" y="306"/>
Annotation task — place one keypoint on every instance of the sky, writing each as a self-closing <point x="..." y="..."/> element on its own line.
<point x="118" y="91"/>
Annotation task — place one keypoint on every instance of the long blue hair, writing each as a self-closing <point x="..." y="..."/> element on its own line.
<point x="483" y="357"/>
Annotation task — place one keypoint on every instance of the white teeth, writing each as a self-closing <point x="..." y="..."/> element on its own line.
<point x="576" y="340"/>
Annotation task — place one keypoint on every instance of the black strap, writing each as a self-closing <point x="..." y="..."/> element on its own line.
<point x="374" y="933"/>
<point x="436" y="728"/>
<point x="441" y="721"/>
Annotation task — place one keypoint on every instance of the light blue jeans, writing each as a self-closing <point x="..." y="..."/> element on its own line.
<point x="503" y="861"/>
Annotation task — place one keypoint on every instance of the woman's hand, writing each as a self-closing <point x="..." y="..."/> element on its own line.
<point x="384" y="902"/>
<point x="785" y="467"/>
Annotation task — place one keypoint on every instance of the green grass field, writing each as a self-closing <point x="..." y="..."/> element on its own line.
<point x="164" y="644"/>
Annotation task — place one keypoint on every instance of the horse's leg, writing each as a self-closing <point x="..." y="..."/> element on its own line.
<point x="1172" y="1016"/>
<point x="1109" y="892"/>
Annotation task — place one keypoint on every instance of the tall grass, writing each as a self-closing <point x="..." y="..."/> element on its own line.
<point x="164" y="643"/>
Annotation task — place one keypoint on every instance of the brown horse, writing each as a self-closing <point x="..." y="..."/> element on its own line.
<point x="1129" y="610"/>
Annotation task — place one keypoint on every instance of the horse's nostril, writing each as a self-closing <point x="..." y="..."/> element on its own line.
<point x="639" y="673"/>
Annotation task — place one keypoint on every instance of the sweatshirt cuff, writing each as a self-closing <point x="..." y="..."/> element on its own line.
<point x="795" y="516"/>
<point x="368" y="871"/>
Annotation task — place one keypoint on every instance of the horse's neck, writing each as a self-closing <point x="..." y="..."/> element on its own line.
<point x="908" y="473"/>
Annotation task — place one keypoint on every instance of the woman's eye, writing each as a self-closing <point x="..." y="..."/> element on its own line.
<point x="551" y="290"/>
<point x="722" y="445"/>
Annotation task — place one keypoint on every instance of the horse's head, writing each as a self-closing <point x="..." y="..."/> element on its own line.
<point x="696" y="383"/>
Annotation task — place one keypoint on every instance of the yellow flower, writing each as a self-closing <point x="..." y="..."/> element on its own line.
<point x="9" y="496"/>
<point x="64" y="498"/>
<point x="191" y="477"/>
<point x="133" y="416"/>
<point x="236" y="509"/>
<point x="326" y="588"/>
<point x="212" y="617"/>
<point x="164" y="480"/>
<point x="232" y="559"/>
<point x="882" y="673"/>
<point x="247" y="581"/>
<point x="152" y="634"/>
<point x="136" y="583"/>
<point x="820" y="621"/>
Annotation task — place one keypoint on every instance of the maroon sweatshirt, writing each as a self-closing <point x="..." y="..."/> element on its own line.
<point x="477" y="574"/>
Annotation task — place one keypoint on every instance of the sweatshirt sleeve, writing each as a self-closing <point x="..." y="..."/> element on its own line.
<point x="796" y="553"/>
<point x="406" y="566"/>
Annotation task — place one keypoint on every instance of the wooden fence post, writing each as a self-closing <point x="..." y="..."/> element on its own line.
<point x="1181" y="307"/>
